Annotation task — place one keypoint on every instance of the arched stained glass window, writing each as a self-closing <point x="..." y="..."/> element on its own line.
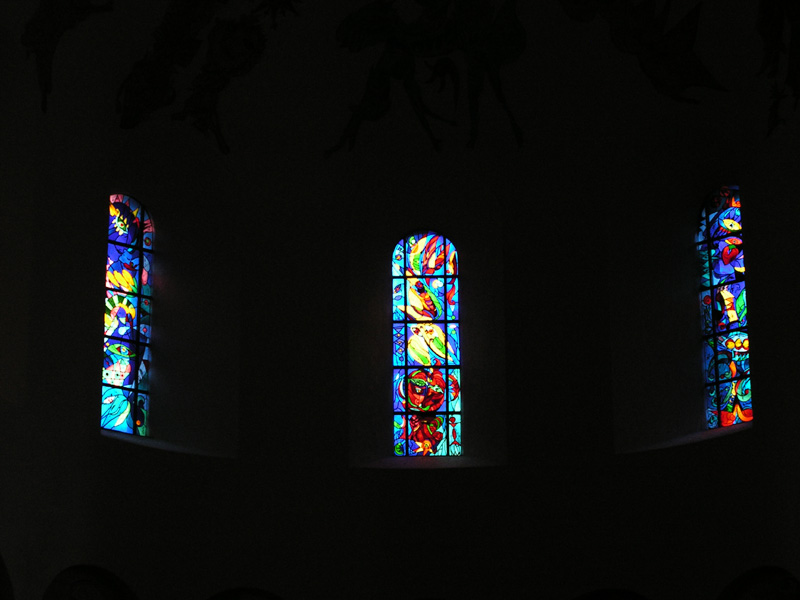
<point x="723" y="302"/>
<point x="426" y="347"/>
<point x="126" y="364"/>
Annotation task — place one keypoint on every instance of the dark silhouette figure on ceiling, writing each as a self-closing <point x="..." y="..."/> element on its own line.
<point x="666" y="54"/>
<point x="444" y="29"/>
<point x="779" y="28"/>
<point x="233" y="47"/>
<point x="52" y="19"/>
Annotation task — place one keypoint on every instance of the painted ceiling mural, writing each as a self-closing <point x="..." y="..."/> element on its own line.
<point x="52" y="19"/>
<point x="667" y="54"/>
<point x="425" y="50"/>
<point x="434" y="55"/>
<point x="230" y="35"/>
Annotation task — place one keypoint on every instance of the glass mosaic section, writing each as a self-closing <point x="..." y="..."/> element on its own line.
<point x="426" y="355"/>
<point x="125" y="405"/>
<point x="723" y="307"/>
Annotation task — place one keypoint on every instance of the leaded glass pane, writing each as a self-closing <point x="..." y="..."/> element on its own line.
<point x="451" y="298"/>
<point x="399" y="390"/>
<point x="426" y="389"/>
<point x="122" y="268"/>
<point x="399" y="435"/>
<point x="453" y="344"/>
<point x="730" y="306"/>
<point x="119" y="363"/>
<point x="425" y="298"/>
<point x="454" y="390"/>
<point x="399" y="346"/>
<point x="425" y="254"/>
<point x="398" y="300"/>
<point x="120" y="317"/>
<point x="425" y="434"/>
<point x="115" y="409"/>
<point x="454" y="434"/>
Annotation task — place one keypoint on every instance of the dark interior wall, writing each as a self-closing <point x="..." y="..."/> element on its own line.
<point x="578" y="271"/>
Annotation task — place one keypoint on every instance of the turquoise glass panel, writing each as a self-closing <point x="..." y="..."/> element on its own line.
<point x="453" y="344"/>
<point x="398" y="300"/>
<point x="115" y="409"/>
<point x="399" y="435"/>
<point x="454" y="390"/>
<point x="399" y="390"/>
<point x="451" y="298"/>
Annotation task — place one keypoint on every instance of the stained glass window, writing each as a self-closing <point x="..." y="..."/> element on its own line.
<point x="426" y="364"/>
<point x="723" y="302"/>
<point x="125" y="404"/>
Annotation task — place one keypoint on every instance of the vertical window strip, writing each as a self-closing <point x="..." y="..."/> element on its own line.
<point x="125" y="404"/>
<point x="426" y="373"/>
<point x="723" y="304"/>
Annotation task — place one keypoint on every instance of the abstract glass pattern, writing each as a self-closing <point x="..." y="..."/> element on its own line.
<point x="125" y="404"/>
<point x="723" y="304"/>
<point x="426" y="356"/>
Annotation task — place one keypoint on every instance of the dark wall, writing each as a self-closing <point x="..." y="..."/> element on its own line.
<point x="581" y="346"/>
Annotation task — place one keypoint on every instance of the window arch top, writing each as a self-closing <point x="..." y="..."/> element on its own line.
<point x="125" y="403"/>
<point x="723" y="303"/>
<point x="427" y="346"/>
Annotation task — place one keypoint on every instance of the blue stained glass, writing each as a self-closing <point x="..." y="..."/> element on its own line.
<point x="453" y="344"/>
<point x="451" y="298"/>
<point x="399" y="344"/>
<point x="399" y="435"/>
<point x="425" y="254"/>
<point x="730" y="306"/>
<point x="712" y="409"/>
<point x="425" y="298"/>
<point x="454" y="390"/>
<point x="115" y="409"/>
<point x="143" y="322"/>
<point x="726" y="222"/>
<point x="143" y="369"/>
<point x="706" y="312"/>
<point x="141" y="414"/>
<point x="426" y="344"/>
<point x="147" y="268"/>
<point x="709" y="366"/>
<point x="122" y="268"/>
<point x="124" y="224"/>
<point x="451" y="264"/>
<point x="120" y="317"/>
<point x="727" y="260"/>
<point x="127" y="321"/>
<point x="399" y="259"/>
<point x="426" y="389"/>
<point x="119" y="363"/>
<point x="398" y="300"/>
<point x="705" y="267"/>
<point x="723" y="301"/>
<point x="733" y="352"/>
<point x="399" y="390"/>
<point x="454" y="434"/>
